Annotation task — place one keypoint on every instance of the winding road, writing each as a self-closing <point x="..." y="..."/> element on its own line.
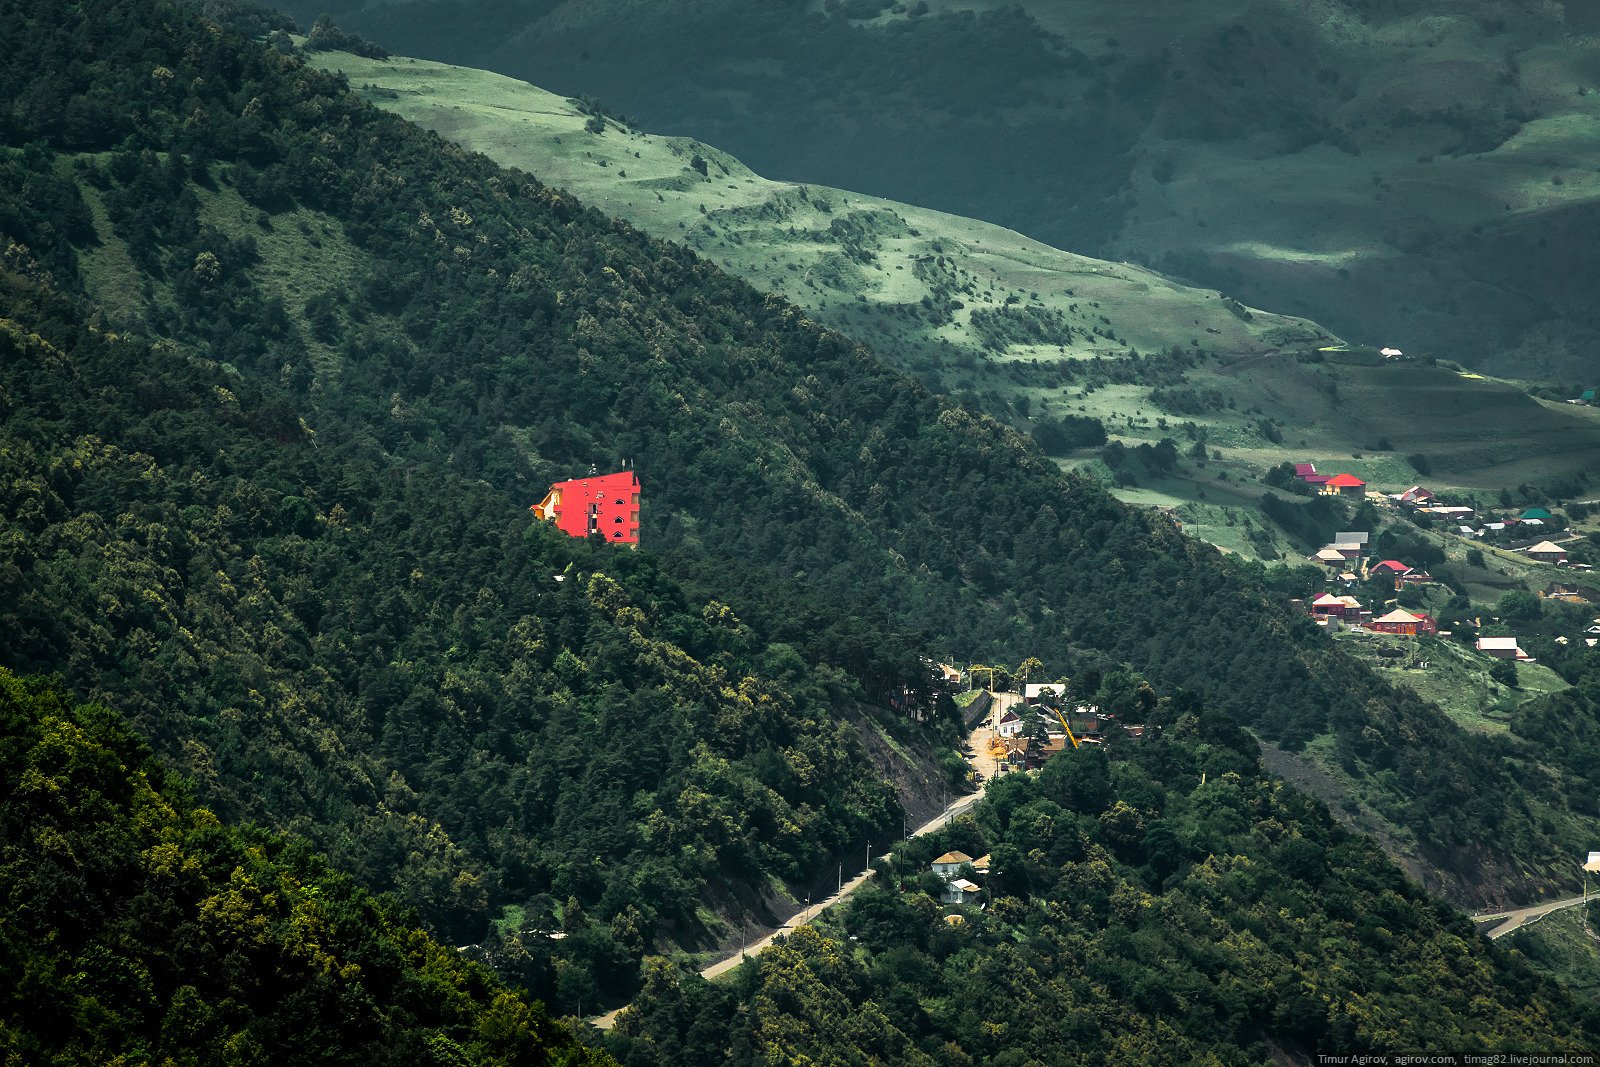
<point x="800" y="918"/>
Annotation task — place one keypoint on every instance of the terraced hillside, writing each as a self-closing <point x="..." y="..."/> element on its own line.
<point x="1422" y="173"/>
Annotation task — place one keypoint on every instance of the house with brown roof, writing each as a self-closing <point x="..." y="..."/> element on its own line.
<point x="1404" y="623"/>
<point x="1501" y="648"/>
<point x="1547" y="552"/>
<point x="950" y="864"/>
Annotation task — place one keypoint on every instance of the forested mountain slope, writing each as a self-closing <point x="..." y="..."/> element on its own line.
<point x="139" y="929"/>
<point x="1163" y="903"/>
<point x="270" y="496"/>
<point x="1067" y="348"/>
<point x="1413" y="172"/>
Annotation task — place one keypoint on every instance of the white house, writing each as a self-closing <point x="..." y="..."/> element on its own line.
<point x="1033" y="692"/>
<point x="947" y="865"/>
<point x="961" y="891"/>
<point x="1010" y="724"/>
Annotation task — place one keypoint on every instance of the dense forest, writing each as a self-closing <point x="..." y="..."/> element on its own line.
<point x="284" y="374"/>
<point x="320" y="643"/>
<point x="1160" y="902"/>
<point x="140" y="929"/>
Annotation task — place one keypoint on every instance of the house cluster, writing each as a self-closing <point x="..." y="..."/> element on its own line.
<point x="1340" y="484"/>
<point x="1347" y="562"/>
<point x="1331" y="610"/>
<point x="1424" y="501"/>
<point x="953" y="868"/>
<point x="1026" y="742"/>
<point x="1526" y="531"/>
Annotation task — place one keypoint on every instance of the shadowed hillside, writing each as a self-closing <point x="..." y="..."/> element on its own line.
<point x="1423" y="174"/>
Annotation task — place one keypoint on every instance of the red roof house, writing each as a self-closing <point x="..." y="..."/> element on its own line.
<point x="1346" y="485"/>
<point x="606" y="504"/>
<point x="1390" y="567"/>
<point x="1307" y="472"/>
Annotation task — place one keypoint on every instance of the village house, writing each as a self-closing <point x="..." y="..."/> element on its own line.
<point x="1416" y="496"/>
<point x="1307" y="472"/>
<point x="957" y="890"/>
<point x="961" y="891"/>
<point x="1010" y="724"/>
<point x="1346" y="609"/>
<point x="1404" y="623"/>
<point x="1389" y="568"/>
<point x="1548" y="552"/>
<point x="1539" y="515"/>
<point x="1501" y="648"/>
<point x="1448" y="511"/>
<point x="1347" y="485"/>
<point x="1330" y="557"/>
<point x="1412" y="578"/>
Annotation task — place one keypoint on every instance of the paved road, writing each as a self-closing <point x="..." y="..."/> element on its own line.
<point x="1504" y="922"/>
<point x="800" y="918"/>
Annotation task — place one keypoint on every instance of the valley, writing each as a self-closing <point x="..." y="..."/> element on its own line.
<point x="345" y="719"/>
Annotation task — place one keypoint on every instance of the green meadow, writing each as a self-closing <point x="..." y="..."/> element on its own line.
<point x="1019" y="329"/>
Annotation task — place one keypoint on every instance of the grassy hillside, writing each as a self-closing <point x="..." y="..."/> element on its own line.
<point x="140" y="929"/>
<point x="1039" y="333"/>
<point x="1420" y="174"/>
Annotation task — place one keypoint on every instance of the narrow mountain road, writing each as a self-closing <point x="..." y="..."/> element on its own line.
<point x="1505" y="922"/>
<point x="801" y="918"/>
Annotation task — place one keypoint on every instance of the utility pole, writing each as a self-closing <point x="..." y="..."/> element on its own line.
<point x="840" y="887"/>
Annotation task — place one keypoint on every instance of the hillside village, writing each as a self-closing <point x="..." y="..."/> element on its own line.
<point x="1445" y="636"/>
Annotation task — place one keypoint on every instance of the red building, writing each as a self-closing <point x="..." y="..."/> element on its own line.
<point x="1345" y="485"/>
<point x="607" y="504"/>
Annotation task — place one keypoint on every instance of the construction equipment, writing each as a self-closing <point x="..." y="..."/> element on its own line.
<point x="1067" y="728"/>
<point x="975" y="668"/>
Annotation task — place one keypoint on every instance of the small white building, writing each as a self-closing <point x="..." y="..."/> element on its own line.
<point x="961" y="891"/>
<point x="949" y="864"/>
<point x="1035" y="692"/>
<point x="1010" y="725"/>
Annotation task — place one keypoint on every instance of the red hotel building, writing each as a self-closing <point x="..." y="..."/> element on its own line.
<point x="607" y="504"/>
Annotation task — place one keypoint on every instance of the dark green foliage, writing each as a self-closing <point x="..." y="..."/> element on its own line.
<point x="1161" y="903"/>
<point x="326" y="37"/>
<point x="385" y="660"/>
<point x="1057" y="437"/>
<point x="1504" y="671"/>
<point x="139" y="926"/>
<point x="1310" y="522"/>
<point x="310" y="579"/>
